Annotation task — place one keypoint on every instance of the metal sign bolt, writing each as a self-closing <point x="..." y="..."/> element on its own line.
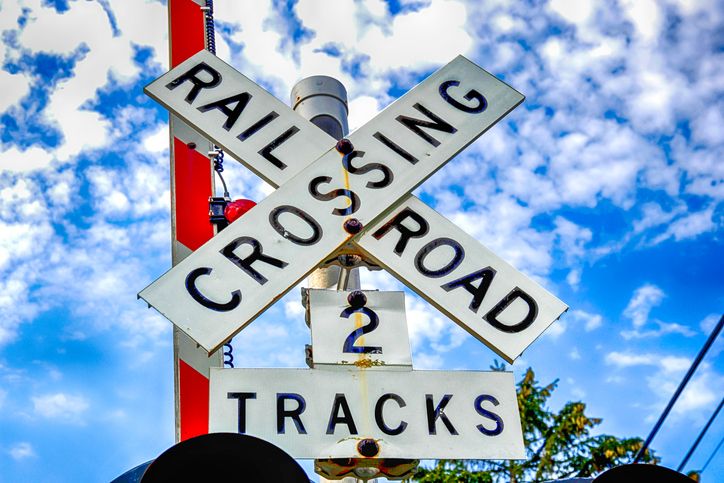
<point x="344" y="146"/>
<point x="357" y="299"/>
<point x="368" y="447"/>
<point x="353" y="226"/>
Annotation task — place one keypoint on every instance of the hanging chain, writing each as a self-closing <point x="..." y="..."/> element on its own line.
<point x="217" y="154"/>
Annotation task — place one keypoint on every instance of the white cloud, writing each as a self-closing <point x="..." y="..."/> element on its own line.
<point x="60" y="406"/>
<point x="622" y="359"/>
<point x="19" y="161"/>
<point x="442" y="26"/>
<point x="689" y="226"/>
<point x="22" y="450"/>
<point x="664" y="329"/>
<point x="14" y="87"/>
<point x="572" y="238"/>
<point x="574" y="278"/>
<point x="574" y="11"/>
<point x="646" y="18"/>
<point x="709" y="322"/>
<point x="102" y="54"/>
<point x="157" y="141"/>
<point x="589" y="321"/>
<point x="654" y="215"/>
<point x="427" y="326"/>
<point x="361" y="110"/>
<point x="644" y="299"/>
<point x="556" y="329"/>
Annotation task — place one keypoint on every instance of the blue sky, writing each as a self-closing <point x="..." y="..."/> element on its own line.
<point x="606" y="186"/>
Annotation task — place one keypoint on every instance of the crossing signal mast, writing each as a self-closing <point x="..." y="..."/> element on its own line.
<point x="360" y="410"/>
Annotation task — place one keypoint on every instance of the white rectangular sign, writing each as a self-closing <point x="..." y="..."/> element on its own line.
<point x="249" y="123"/>
<point x="372" y="335"/>
<point x="325" y="414"/>
<point x="469" y="283"/>
<point x="224" y="285"/>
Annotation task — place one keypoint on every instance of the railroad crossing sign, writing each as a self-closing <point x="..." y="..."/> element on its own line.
<point x="358" y="191"/>
<point x="330" y="414"/>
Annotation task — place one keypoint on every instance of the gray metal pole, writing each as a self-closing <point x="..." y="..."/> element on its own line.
<point x="323" y="100"/>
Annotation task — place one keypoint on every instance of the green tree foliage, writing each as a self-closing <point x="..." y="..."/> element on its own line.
<point x="558" y="445"/>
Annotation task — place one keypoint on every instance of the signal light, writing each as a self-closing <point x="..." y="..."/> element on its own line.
<point x="236" y="208"/>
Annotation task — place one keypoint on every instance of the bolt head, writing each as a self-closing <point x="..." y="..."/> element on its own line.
<point x="357" y="299"/>
<point x="191" y="145"/>
<point x="344" y="146"/>
<point x="353" y="226"/>
<point x="368" y="447"/>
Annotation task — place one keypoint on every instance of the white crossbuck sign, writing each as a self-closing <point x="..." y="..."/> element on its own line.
<point x="355" y="192"/>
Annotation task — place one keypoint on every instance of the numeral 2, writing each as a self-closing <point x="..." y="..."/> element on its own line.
<point x="349" y="346"/>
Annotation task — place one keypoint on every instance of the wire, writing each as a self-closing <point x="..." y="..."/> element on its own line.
<point x="218" y="154"/>
<point x="711" y="457"/>
<point x="209" y="21"/>
<point x="698" y="439"/>
<point x="679" y="390"/>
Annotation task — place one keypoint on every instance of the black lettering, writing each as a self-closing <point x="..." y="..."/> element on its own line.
<point x="266" y="151"/>
<point x="387" y="175"/>
<point x="486" y="276"/>
<point x="191" y="76"/>
<point x="254" y="128"/>
<point x="395" y="147"/>
<point x="487" y="414"/>
<point x="472" y="94"/>
<point x="316" y="229"/>
<point x="516" y="293"/>
<point x="202" y="299"/>
<point x="380" y="420"/>
<point x="458" y="256"/>
<point x="242" y="397"/>
<point x="354" y="201"/>
<point x="414" y="125"/>
<point x="405" y="233"/>
<point x="438" y="412"/>
<point x="340" y="403"/>
<point x="241" y="100"/>
<point x="348" y="347"/>
<point x="255" y="256"/>
<point x="283" y="413"/>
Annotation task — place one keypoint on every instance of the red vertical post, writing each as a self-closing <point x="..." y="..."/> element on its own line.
<point x="192" y="183"/>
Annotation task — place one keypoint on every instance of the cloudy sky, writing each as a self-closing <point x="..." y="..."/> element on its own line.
<point x="606" y="186"/>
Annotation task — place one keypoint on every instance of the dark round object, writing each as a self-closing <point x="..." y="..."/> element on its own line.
<point x="344" y="146"/>
<point x="224" y="457"/>
<point x="353" y="226"/>
<point x="357" y="299"/>
<point x="191" y="145"/>
<point x="368" y="447"/>
<point x="641" y="473"/>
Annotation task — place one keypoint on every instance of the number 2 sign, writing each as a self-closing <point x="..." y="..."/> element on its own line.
<point x="361" y="328"/>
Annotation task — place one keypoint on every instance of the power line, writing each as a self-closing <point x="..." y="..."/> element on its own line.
<point x="680" y="389"/>
<point x="698" y="439"/>
<point x="711" y="457"/>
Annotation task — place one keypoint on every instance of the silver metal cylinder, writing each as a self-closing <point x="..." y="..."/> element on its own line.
<point x="323" y="100"/>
